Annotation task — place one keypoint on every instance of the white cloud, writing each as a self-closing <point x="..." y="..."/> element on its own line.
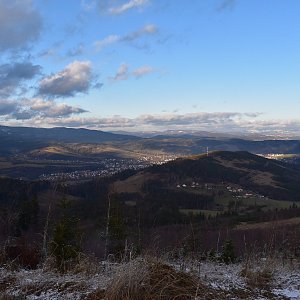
<point x="127" y="6"/>
<point x="123" y="72"/>
<point x="147" y="30"/>
<point x="36" y="108"/>
<point x="142" y="71"/>
<point x="50" y="108"/>
<point x="20" y="24"/>
<point x="76" y="78"/>
<point x="111" y="39"/>
<point x="88" y="5"/>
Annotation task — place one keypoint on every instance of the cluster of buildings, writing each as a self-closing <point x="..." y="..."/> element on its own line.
<point x="235" y="191"/>
<point x="105" y="167"/>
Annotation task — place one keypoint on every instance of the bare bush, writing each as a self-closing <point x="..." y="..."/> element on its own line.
<point x="258" y="276"/>
<point x="145" y="279"/>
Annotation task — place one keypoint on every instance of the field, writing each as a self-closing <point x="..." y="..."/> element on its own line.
<point x="293" y="222"/>
<point x="206" y="213"/>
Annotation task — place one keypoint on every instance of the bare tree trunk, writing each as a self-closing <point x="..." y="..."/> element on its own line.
<point x="218" y="243"/>
<point x="45" y="234"/>
<point x="107" y="228"/>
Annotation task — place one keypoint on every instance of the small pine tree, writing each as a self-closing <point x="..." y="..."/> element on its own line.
<point x="211" y="255"/>
<point x="65" y="243"/>
<point x="227" y="255"/>
<point x="117" y="233"/>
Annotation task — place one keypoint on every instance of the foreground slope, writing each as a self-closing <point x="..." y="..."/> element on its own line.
<point x="148" y="278"/>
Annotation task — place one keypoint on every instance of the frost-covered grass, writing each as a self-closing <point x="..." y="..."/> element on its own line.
<point x="41" y="284"/>
<point x="150" y="278"/>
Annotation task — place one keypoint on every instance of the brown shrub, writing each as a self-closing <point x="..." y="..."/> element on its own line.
<point x="258" y="278"/>
<point x="23" y="254"/>
<point x="150" y="279"/>
<point x="96" y="295"/>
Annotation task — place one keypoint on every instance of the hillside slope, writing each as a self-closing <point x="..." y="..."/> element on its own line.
<point x="266" y="177"/>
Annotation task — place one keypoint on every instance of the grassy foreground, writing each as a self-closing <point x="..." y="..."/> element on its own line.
<point x="146" y="278"/>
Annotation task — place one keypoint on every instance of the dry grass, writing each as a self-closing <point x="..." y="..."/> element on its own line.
<point x="270" y="224"/>
<point x="4" y="284"/>
<point x="67" y="287"/>
<point x="96" y="295"/>
<point x="258" y="277"/>
<point x="150" y="279"/>
<point x="7" y="297"/>
<point x="145" y="278"/>
<point x="256" y="176"/>
<point x="87" y="265"/>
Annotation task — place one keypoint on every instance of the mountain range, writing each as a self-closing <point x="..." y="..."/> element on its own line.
<point x="31" y="152"/>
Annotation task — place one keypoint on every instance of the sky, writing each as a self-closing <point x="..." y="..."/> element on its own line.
<point x="151" y="65"/>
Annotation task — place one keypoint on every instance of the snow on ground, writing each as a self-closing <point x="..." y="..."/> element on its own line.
<point x="47" y="284"/>
<point x="287" y="283"/>
<point x="284" y="282"/>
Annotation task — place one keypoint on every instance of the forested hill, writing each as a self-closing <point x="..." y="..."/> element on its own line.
<point x="270" y="178"/>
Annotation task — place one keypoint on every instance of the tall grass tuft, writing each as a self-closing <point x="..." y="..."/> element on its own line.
<point x="150" y="279"/>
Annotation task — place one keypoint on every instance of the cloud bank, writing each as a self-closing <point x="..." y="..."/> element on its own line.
<point x="230" y="122"/>
<point x="36" y="108"/>
<point x="39" y="112"/>
<point x="12" y="76"/>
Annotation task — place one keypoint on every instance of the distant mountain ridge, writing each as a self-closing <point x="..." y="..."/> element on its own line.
<point x="63" y="134"/>
<point x="18" y="139"/>
<point x="22" y="140"/>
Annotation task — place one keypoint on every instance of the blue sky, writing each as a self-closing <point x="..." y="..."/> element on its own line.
<point x="217" y="65"/>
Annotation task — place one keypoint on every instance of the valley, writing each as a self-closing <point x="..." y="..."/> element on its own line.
<point x="77" y="154"/>
<point x="122" y="199"/>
